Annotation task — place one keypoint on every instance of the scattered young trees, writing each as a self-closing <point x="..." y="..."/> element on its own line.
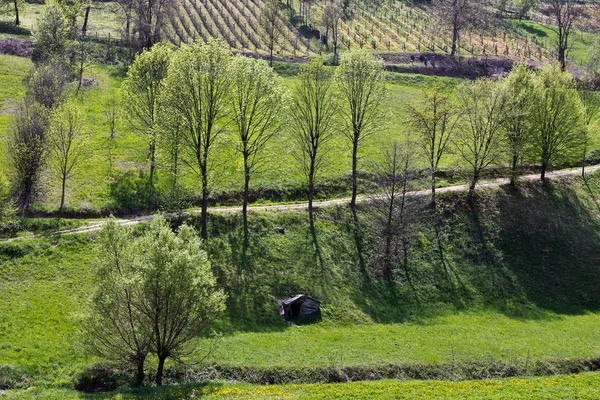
<point x="155" y="293"/>
<point x="434" y="120"/>
<point x="258" y="100"/>
<point x="314" y="108"/>
<point x="359" y="80"/>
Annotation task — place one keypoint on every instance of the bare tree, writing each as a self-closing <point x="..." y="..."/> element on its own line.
<point x="67" y="142"/>
<point x="332" y="17"/>
<point x="271" y="25"/>
<point x="28" y="148"/>
<point x="111" y="116"/>
<point x="397" y="209"/>
<point x="482" y="105"/>
<point x="197" y="93"/>
<point x="434" y="120"/>
<point x="359" y="79"/>
<point x="258" y="100"/>
<point x="566" y="13"/>
<point x="314" y="108"/>
<point x="456" y="16"/>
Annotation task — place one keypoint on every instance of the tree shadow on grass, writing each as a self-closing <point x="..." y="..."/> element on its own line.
<point x="551" y="243"/>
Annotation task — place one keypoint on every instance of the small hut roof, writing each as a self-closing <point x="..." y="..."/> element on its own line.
<point x="295" y="298"/>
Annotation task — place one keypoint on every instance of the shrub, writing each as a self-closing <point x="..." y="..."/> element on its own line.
<point x="12" y="377"/>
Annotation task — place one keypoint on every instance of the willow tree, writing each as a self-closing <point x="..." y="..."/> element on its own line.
<point x="258" y="99"/>
<point x="359" y="80"/>
<point x="141" y="97"/>
<point x="198" y="95"/>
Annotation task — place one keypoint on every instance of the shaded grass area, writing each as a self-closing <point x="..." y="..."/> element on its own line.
<point x="519" y="286"/>
<point x="582" y="386"/>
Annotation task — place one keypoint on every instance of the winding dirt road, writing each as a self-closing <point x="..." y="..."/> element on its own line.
<point x="97" y="225"/>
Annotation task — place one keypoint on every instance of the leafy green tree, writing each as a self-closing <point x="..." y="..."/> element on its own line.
<point x="518" y="125"/>
<point x="314" y="108"/>
<point x="70" y="10"/>
<point x="359" y="80"/>
<point x="178" y="297"/>
<point x="258" y="99"/>
<point x="154" y="293"/>
<point x="557" y="117"/>
<point x="67" y="142"/>
<point x="198" y="94"/>
<point x="141" y="97"/>
<point x="115" y="328"/>
<point x="434" y="119"/>
<point x="482" y="105"/>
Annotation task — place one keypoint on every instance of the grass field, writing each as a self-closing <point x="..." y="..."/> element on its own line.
<point x="582" y="386"/>
<point x="502" y="305"/>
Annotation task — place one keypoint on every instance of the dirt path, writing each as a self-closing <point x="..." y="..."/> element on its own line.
<point x="97" y="225"/>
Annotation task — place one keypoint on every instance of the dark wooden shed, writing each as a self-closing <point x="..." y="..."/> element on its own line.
<point x="300" y="308"/>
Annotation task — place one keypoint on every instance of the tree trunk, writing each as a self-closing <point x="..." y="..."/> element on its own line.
<point x="514" y="170"/>
<point x="433" y="199"/>
<point x="474" y="180"/>
<point x="271" y="60"/>
<point x="17" y="20"/>
<point x="246" y="194"/>
<point x="62" y="194"/>
<point x="139" y="376"/>
<point x="544" y="168"/>
<point x="204" y="205"/>
<point x="85" y="21"/>
<point x="152" y="170"/>
<point x="160" y="370"/>
<point x="311" y="191"/>
<point x="354" y="171"/>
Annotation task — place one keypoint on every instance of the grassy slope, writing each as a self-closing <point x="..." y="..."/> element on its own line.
<point x="524" y="283"/>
